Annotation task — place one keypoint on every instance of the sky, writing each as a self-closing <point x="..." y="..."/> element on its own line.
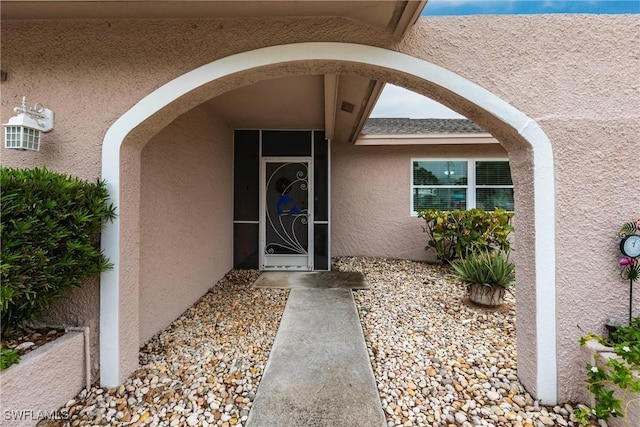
<point x="398" y="102"/>
<point x="501" y="7"/>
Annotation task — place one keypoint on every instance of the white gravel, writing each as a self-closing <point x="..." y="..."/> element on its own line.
<point x="437" y="361"/>
<point x="203" y="370"/>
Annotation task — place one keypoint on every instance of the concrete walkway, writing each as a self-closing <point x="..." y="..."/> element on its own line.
<point x="318" y="372"/>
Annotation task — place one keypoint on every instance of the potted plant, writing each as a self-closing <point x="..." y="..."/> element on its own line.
<point x="612" y="376"/>
<point x="488" y="275"/>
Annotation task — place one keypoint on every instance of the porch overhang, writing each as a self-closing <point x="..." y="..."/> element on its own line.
<point x="394" y="17"/>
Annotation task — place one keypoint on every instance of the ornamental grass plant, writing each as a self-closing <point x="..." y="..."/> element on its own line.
<point x="491" y="269"/>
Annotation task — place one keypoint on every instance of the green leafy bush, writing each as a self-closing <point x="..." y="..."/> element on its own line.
<point x="458" y="233"/>
<point x="50" y="229"/>
<point x="618" y="372"/>
<point x="486" y="268"/>
<point x="8" y="357"/>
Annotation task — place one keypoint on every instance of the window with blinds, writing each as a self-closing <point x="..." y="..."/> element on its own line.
<point x="461" y="184"/>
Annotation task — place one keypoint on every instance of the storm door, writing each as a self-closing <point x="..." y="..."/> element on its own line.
<point x="286" y="226"/>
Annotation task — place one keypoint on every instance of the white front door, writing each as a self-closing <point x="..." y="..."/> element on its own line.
<point x="286" y="233"/>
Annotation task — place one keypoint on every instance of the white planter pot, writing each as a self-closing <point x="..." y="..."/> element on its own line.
<point x="488" y="296"/>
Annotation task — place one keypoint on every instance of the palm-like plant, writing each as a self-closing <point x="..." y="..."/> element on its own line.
<point x="486" y="268"/>
<point x="488" y="275"/>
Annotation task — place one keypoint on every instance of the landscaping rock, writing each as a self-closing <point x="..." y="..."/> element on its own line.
<point x="437" y="361"/>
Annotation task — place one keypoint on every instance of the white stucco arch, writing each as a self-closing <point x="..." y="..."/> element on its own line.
<point x="528" y="130"/>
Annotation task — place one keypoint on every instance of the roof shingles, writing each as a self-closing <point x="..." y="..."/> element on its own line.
<point x="403" y="126"/>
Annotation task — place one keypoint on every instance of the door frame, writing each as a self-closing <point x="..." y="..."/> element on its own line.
<point x="263" y="257"/>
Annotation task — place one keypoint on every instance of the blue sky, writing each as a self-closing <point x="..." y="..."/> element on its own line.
<point x="500" y="7"/>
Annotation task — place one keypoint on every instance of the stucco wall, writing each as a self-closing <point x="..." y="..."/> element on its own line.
<point x="185" y="236"/>
<point x="90" y="73"/>
<point x="81" y="308"/>
<point x="576" y="76"/>
<point x="53" y="374"/>
<point x="371" y="197"/>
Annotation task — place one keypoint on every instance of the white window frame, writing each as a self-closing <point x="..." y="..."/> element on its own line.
<point x="471" y="186"/>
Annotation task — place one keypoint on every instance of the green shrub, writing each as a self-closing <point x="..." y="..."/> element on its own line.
<point x="486" y="268"/>
<point x="457" y="233"/>
<point x="50" y="230"/>
<point x="620" y="371"/>
<point x="8" y="358"/>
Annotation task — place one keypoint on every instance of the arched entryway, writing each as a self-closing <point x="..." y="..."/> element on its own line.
<point x="528" y="146"/>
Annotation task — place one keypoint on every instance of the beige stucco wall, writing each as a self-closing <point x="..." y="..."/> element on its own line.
<point x="371" y="197"/>
<point x="576" y="76"/>
<point x="186" y="223"/>
<point x="92" y="72"/>
<point x="81" y="308"/>
<point x="53" y="373"/>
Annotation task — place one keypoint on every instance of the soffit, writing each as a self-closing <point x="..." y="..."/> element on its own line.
<point x="298" y="102"/>
<point x="392" y="16"/>
<point x="294" y="102"/>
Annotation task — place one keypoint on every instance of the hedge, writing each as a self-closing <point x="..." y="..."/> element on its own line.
<point x="50" y="230"/>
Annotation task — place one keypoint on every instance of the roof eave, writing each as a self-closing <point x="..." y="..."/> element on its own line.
<point x="427" y="139"/>
<point x="410" y="13"/>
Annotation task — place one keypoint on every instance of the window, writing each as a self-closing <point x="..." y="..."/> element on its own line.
<point x="461" y="184"/>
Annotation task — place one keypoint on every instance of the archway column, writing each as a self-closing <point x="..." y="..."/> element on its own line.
<point x="118" y="314"/>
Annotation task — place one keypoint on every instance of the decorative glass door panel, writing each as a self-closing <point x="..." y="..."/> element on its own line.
<point x="286" y="215"/>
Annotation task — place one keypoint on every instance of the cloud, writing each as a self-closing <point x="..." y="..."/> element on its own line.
<point x="399" y="102"/>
